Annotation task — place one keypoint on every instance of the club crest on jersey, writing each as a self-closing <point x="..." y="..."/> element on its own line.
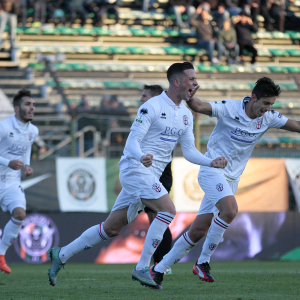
<point x="156" y="187"/>
<point x="258" y="125"/>
<point x="185" y="120"/>
<point x="155" y="243"/>
<point x="219" y="187"/>
<point x="30" y="137"/>
<point x="212" y="246"/>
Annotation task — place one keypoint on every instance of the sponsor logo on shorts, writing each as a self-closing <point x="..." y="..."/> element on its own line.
<point x="11" y="134"/>
<point x="176" y="260"/>
<point x="279" y="116"/>
<point x="219" y="187"/>
<point x="155" y="243"/>
<point x="38" y="234"/>
<point x="87" y="247"/>
<point x="185" y="120"/>
<point x="81" y="184"/>
<point x="21" y="189"/>
<point x="156" y="187"/>
<point x="212" y="246"/>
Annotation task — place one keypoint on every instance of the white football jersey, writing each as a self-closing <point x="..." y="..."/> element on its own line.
<point x="163" y="124"/>
<point x="15" y="143"/>
<point x="235" y="134"/>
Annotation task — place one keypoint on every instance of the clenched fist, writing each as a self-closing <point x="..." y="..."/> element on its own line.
<point x="15" y="164"/>
<point x="146" y="160"/>
<point x="220" y="162"/>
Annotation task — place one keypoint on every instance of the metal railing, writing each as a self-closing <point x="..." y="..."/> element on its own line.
<point x="80" y="136"/>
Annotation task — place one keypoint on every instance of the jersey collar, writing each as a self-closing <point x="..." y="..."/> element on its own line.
<point x="17" y="127"/>
<point x="169" y="101"/>
<point x="242" y="111"/>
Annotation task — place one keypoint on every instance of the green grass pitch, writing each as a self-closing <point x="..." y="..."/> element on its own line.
<point x="234" y="280"/>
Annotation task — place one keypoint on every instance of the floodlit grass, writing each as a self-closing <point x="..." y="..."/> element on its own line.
<point x="234" y="280"/>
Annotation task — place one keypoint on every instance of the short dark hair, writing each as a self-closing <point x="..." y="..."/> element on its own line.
<point x="18" y="97"/>
<point x="266" y="87"/>
<point x="154" y="89"/>
<point x="177" y="69"/>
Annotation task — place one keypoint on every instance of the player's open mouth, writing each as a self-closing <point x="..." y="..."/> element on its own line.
<point x="190" y="92"/>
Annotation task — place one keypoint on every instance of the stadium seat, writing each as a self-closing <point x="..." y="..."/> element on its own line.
<point x="79" y="67"/>
<point x="263" y="35"/>
<point x="113" y="84"/>
<point x="294" y="35"/>
<point x="224" y="68"/>
<point x="172" y="32"/>
<point x="173" y="50"/>
<point x="86" y="31"/>
<point x="157" y="32"/>
<point x="289" y="86"/>
<point x="37" y="66"/>
<point x="280" y="35"/>
<point x="63" y="67"/>
<point x="293" y="52"/>
<point x="278" y="52"/>
<point x="119" y="50"/>
<point x="33" y="31"/>
<point x="101" y="49"/>
<point x="189" y="50"/>
<point x="67" y="31"/>
<point x="278" y="69"/>
<point x="293" y="69"/>
<point x="136" y="50"/>
<point x="206" y="68"/>
<point x="102" y="31"/>
<point x="155" y="50"/>
<point x="132" y="85"/>
<point x="50" y="31"/>
<point x="139" y="32"/>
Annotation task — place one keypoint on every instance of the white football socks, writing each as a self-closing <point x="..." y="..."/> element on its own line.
<point x="181" y="248"/>
<point x="154" y="237"/>
<point x="10" y="233"/>
<point x="92" y="236"/>
<point x="213" y="238"/>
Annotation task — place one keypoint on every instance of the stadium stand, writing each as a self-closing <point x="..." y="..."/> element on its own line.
<point x="110" y="60"/>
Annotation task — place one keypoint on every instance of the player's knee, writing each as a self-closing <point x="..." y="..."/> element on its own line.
<point x="229" y="215"/>
<point x="19" y="214"/>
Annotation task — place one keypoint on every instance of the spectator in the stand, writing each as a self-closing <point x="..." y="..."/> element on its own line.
<point x="8" y="16"/>
<point x="277" y="10"/>
<point x="117" y="107"/>
<point x="261" y="7"/>
<point x="206" y="33"/>
<point x="146" y="4"/>
<point x="102" y="7"/>
<point x="178" y="8"/>
<point x="228" y="41"/>
<point x="75" y="7"/>
<point x="244" y="26"/>
<point x="104" y="105"/>
<point x="233" y="7"/>
<point x="39" y="11"/>
<point x="217" y="10"/>
<point x="23" y="12"/>
<point x="83" y="106"/>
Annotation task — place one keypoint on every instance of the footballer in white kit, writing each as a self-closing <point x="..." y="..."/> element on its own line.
<point x="240" y="124"/>
<point x="17" y="135"/>
<point x="170" y="124"/>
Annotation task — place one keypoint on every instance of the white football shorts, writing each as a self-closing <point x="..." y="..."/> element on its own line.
<point x="138" y="183"/>
<point x="12" y="197"/>
<point x="215" y="187"/>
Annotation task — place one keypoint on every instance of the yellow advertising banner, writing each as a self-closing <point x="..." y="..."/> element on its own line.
<point x="263" y="186"/>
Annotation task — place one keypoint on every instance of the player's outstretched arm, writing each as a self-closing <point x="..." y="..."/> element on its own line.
<point x="291" y="125"/>
<point x="219" y="162"/>
<point x="197" y="105"/>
